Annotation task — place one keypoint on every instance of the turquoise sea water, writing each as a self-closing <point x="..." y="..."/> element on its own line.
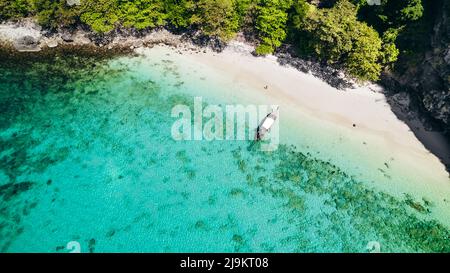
<point x="86" y="155"/>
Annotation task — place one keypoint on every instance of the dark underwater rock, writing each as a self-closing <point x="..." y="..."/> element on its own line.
<point x="10" y="190"/>
<point x="91" y="245"/>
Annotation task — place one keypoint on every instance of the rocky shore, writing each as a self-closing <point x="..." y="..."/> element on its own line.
<point x="334" y="77"/>
<point x="27" y="36"/>
<point x="420" y="92"/>
<point x="428" y="80"/>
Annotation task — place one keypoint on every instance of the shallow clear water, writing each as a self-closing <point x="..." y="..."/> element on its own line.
<point x="86" y="155"/>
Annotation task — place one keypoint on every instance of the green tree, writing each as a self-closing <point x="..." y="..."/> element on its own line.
<point x="411" y="10"/>
<point x="301" y="9"/>
<point x="363" y="59"/>
<point x="336" y="36"/>
<point x="179" y="12"/>
<point x="391" y="13"/>
<point x="216" y="18"/>
<point x="101" y="15"/>
<point x="55" y="13"/>
<point x="390" y="51"/>
<point x="243" y="8"/>
<point x="14" y="9"/>
<point x="329" y="32"/>
<point x="271" y="23"/>
<point x="141" y="14"/>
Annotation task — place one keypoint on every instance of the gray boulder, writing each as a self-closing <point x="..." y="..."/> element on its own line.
<point x="27" y="44"/>
<point x="67" y="37"/>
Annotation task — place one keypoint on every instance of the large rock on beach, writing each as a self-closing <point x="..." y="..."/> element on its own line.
<point x="52" y="42"/>
<point x="67" y="37"/>
<point x="27" y="43"/>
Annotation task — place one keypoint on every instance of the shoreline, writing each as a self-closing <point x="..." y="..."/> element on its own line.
<point x="120" y="43"/>
<point x="356" y="106"/>
<point x="125" y="43"/>
<point x="318" y="119"/>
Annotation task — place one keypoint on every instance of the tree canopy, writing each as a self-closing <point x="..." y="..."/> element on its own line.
<point x="217" y="18"/>
<point x="363" y="39"/>
<point x="336" y="36"/>
<point x="271" y="23"/>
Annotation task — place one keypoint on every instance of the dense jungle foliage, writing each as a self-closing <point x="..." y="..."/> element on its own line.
<point x="358" y="35"/>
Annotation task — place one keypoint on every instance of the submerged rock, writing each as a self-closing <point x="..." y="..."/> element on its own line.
<point x="91" y="245"/>
<point x="10" y="190"/>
